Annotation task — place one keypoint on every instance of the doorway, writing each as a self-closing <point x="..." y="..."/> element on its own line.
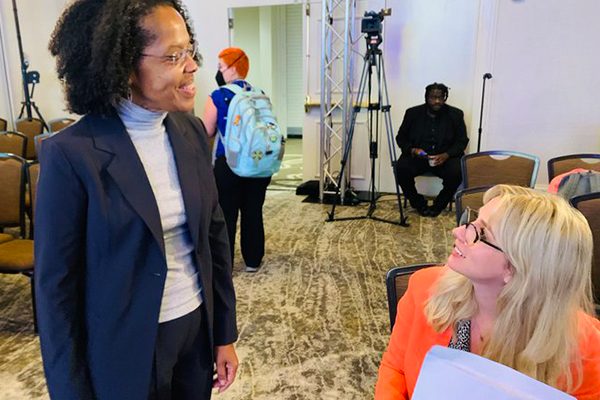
<point x="271" y="36"/>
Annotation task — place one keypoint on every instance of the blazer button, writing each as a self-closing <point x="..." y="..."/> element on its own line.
<point x="157" y="274"/>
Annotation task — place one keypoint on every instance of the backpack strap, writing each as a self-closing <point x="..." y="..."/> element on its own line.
<point x="236" y="89"/>
<point x="571" y="183"/>
<point x="594" y="181"/>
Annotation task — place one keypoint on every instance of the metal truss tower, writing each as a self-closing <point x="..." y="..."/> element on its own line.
<point x="337" y="83"/>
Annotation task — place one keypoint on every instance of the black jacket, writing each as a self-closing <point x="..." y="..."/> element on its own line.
<point x="100" y="257"/>
<point x="451" y="137"/>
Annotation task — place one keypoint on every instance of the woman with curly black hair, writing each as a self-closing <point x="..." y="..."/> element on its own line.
<point x="133" y="279"/>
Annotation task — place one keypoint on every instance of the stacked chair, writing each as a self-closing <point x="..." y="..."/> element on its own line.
<point x="13" y="143"/>
<point x="57" y="124"/>
<point x="16" y="255"/>
<point x="30" y="127"/>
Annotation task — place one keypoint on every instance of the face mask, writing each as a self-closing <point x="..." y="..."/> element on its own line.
<point x="219" y="78"/>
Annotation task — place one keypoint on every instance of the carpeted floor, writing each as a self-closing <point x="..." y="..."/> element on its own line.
<point x="313" y="321"/>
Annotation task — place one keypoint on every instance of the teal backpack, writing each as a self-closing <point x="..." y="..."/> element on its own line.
<point x="253" y="142"/>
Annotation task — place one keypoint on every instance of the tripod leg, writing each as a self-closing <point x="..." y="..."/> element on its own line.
<point x="348" y="147"/>
<point x="39" y="114"/>
<point x="385" y="106"/>
<point x="21" y="112"/>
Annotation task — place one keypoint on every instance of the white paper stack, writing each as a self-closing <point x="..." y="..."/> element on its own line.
<point x="451" y="374"/>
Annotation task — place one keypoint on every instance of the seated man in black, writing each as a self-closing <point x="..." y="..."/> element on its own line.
<point x="432" y="137"/>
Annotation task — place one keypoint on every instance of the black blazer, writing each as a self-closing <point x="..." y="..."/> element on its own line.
<point x="100" y="258"/>
<point x="451" y="138"/>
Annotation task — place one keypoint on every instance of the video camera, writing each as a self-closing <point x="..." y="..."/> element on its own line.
<point x="371" y="23"/>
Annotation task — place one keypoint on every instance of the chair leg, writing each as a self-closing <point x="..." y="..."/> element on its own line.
<point x="35" y="325"/>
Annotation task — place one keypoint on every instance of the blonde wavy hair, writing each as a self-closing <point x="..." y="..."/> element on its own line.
<point x="549" y="246"/>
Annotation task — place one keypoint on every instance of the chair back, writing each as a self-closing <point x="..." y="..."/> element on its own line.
<point x="38" y="142"/>
<point x="3" y="124"/>
<point x="30" y="127"/>
<point x="470" y="197"/>
<point x="489" y="168"/>
<point x="12" y="189"/>
<point x="396" y="282"/>
<point x="589" y="205"/>
<point x="33" y="174"/>
<point x="57" y="124"/>
<point x="13" y="142"/>
<point x="563" y="164"/>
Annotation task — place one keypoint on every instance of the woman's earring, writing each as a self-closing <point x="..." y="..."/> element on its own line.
<point x="129" y="93"/>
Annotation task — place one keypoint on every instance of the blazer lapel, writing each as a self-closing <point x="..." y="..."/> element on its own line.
<point x="126" y="169"/>
<point x="185" y="150"/>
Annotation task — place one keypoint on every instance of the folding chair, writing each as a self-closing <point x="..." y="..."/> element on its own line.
<point x="470" y="197"/>
<point x="57" y="124"/>
<point x="563" y="164"/>
<point x="589" y="205"/>
<point x="491" y="168"/>
<point x="13" y="143"/>
<point x="30" y="127"/>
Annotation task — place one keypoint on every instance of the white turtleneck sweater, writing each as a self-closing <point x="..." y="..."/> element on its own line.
<point x="182" y="293"/>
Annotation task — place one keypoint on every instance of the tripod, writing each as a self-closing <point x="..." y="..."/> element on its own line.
<point x="31" y="77"/>
<point x="372" y="60"/>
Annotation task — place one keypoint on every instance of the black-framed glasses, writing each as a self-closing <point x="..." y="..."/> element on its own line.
<point x="178" y="57"/>
<point x="472" y="233"/>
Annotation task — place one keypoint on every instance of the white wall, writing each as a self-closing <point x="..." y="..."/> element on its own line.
<point x="246" y="22"/>
<point x="212" y="31"/>
<point x="37" y="20"/>
<point x="543" y="98"/>
<point x="260" y="32"/>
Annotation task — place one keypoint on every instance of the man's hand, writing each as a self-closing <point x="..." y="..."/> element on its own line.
<point x="227" y="364"/>
<point x="420" y="153"/>
<point x="438" y="159"/>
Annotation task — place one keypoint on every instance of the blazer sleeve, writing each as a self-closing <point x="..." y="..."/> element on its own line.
<point x="403" y="136"/>
<point x="59" y="275"/>
<point x="391" y="383"/>
<point x="225" y="326"/>
<point x="458" y="146"/>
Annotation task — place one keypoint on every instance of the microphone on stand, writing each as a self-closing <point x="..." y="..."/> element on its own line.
<point x="487" y="75"/>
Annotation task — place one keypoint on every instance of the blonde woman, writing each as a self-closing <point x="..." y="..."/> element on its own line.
<point x="516" y="289"/>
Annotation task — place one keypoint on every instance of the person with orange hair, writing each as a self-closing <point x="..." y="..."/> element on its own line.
<point x="236" y="194"/>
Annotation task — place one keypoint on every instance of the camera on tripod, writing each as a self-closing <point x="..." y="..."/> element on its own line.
<point x="371" y="25"/>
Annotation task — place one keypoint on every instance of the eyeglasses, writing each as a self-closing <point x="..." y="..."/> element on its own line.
<point x="472" y="233"/>
<point x="178" y="57"/>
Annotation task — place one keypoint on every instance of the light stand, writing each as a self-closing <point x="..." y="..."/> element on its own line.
<point x="31" y="77"/>
<point x="373" y="60"/>
<point x="485" y="76"/>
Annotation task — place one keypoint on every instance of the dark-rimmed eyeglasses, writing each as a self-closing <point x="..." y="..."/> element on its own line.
<point x="472" y="233"/>
<point x="178" y="57"/>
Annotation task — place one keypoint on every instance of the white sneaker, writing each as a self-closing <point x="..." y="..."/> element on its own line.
<point x="252" y="269"/>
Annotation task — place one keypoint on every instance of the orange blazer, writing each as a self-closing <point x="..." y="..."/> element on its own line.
<point x="412" y="337"/>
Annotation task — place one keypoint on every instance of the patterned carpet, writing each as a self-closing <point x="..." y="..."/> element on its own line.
<point x="290" y="174"/>
<point x="313" y="321"/>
